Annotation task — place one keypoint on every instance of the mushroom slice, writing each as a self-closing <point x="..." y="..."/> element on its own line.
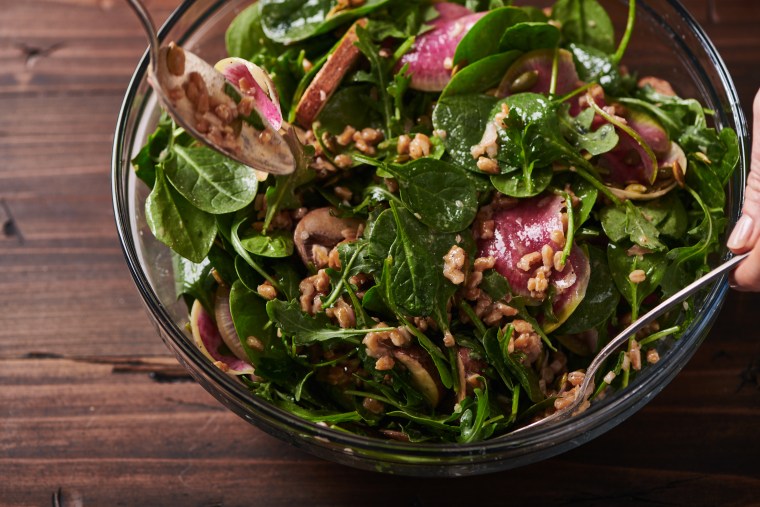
<point x="423" y="373"/>
<point x="329" y="77"/>
<point x="321" y="227"/>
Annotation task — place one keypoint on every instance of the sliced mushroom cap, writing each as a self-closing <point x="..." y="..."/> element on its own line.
<point x="423" y="373"/>
<point x="322" y="227"/>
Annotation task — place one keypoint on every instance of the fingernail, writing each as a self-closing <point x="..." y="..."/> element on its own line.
<point x="741" y="233"/>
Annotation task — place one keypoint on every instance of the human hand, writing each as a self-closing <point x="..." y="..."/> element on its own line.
<point x="746" y="234"/>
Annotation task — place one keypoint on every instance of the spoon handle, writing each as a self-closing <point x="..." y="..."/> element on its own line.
<point x="614" y="345"/>
<point x="150" y="30"/>
<point x="658" y="310"/>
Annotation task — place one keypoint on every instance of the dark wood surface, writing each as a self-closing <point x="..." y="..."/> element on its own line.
<point x="86" y="416"/>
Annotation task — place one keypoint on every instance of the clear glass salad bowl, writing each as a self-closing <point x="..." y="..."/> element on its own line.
<point x="667" y="43"/>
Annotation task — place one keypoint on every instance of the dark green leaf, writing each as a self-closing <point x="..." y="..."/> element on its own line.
<point x="178" y="224"/>
<point x="622" y="265"/>
<point x="480" y="76"/>
<point x="480" y="41"/>
<point x="211" y="181"/>
<point x="463" y="118"/>
<point x="601" y="299"/>
<point x="585" y="22"/>
<point x="288" y="21"/>
<point x="274" y="244"/>
<point x="528" y="36"/>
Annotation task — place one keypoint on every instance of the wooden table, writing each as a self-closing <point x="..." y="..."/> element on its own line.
<point x="89" y="414"/>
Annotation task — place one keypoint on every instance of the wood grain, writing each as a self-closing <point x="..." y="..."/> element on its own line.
<point x="95" y="411"/>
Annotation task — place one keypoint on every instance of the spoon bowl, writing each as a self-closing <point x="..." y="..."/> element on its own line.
<point x="201" y="101"/>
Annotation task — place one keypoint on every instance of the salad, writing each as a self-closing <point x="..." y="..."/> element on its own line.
<point x="481" y="194"/>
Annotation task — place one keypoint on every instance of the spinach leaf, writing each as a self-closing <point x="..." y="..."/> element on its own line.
<point x="416" y="274"/>
<point x="528" y="36"/>
<point x="211" y="181"/>
<point x="596" y="65"/>
<point x="585" y="22"/>
<point x="274" y="244"/>
<point x="223" y="263"/>
<point x="463" y="118"/>
<point x="288" y="21"/>
<point x="602" y="297"/>
<point x="480" y="76"/>
<point x="194" y="280"/>
<point x="439" y="194"/>
<point x="531" y="181"/>
<point x="153" y="152"/>
<point x="246" y="274"/>
<point x="249" y="315"/>
<point x="178" y="224"/>
<point x="245" y="37"/>
<point x="480" y="41"/>
<point x="622" y="265"/>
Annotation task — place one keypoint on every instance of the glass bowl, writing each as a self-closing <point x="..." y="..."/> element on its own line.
<point x="663" y="27"/>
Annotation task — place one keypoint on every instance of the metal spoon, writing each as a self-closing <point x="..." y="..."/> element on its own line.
<point x="614" y="345"/>
<point x="172" y="69"/>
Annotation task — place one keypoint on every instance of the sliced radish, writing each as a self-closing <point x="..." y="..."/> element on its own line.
<point x="209" y="341"/>
<point x="431" y="56"/>
<point x="224" y="323"/>
<point x="259" y="86"/>
<point x="538" y="63"/>
<point x="524" y="229"/>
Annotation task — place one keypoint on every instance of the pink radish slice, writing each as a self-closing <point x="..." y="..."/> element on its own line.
<point x="540" y="61"/>
<point x="225" y="324"/>
<point x="209" y="341"/>
<point x="432" y="53"/>
<point x="629" y="162"/>
<point x="525" y="229"/>
<point x="262" y="88"/>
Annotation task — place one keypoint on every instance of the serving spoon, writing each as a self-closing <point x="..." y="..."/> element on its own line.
<point x="192" y="91"/>
<point x="584" y="389"/>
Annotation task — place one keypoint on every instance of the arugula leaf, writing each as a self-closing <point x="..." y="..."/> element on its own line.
<point x="628" y="221"/>
<point x="305" y="329"/>
<point x="473" y="427"/>
<point x="578" y="131"/>
<point x="178" y="224"/>
<point x="495" y="285"/>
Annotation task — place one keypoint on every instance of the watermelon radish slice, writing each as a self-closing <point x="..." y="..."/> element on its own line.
<point x="209" y="341"/>
<point x="630" y="162"/>
<point x="525" y="229"/>
<point x="431" y="55"/>
<point x="261" y="87"/>
<point x="539" y="64"/>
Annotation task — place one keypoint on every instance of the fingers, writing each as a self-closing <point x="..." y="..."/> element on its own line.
<point x="746" y="277"/>
<point x="746" y="233"/>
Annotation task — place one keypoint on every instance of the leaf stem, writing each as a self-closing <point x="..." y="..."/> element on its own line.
<point x="628" y="32"/>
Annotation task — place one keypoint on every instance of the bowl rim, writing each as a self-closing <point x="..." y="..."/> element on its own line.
<point x="549" y="440"/>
